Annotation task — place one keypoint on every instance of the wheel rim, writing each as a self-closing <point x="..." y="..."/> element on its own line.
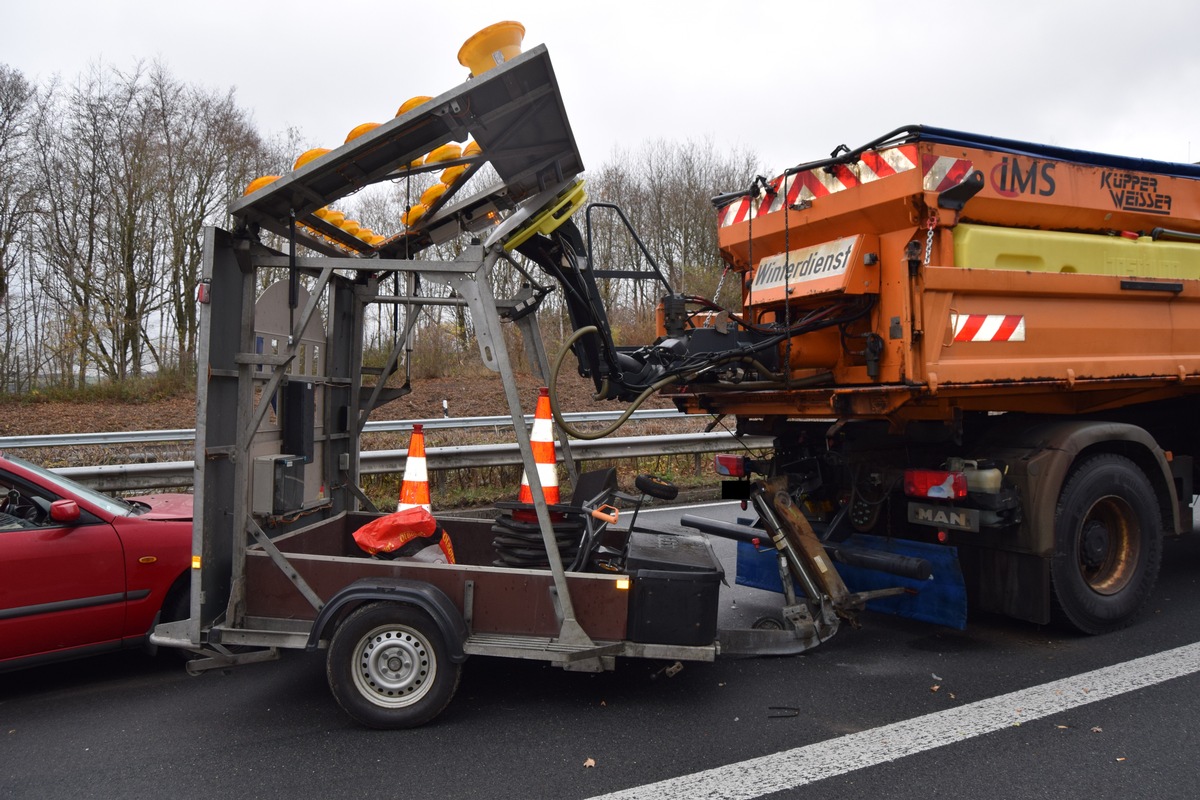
<point x="1109" y="540"/>
<point x="395" y="666"/>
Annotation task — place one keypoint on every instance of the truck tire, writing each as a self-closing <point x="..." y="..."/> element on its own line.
<point x="388" y="666"/>
<point x="1108" y="539"/>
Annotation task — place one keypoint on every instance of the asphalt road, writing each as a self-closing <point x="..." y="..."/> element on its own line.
<point x="127" y="726"/>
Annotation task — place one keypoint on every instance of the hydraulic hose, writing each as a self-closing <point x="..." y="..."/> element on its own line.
<point x="674" y="377"/>
<point x="637" y="402"/>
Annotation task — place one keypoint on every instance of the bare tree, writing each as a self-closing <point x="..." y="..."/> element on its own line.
<point x="16" y="193"/>
<point x="16" y="206"/>
<point x="69" y="137"/>
<point x="209" y="151"/>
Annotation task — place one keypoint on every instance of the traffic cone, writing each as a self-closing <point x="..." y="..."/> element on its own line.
<point x="414" y="490"/>
<point x="542" y="440"/>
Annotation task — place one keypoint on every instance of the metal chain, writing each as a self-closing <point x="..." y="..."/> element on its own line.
<point x="716" y="295"/>
<point x="929" y="227"/>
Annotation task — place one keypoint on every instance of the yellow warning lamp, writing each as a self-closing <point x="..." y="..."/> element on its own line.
<point x="492" y="46"/>
<point x="416" y="162"/>
<point x="451" y="174"/>
<point x="351" y="227"/>
<point x="309" y="155"/>
<point x="335" y="218"/>
<point x="431" y="195"/>
<point x="258" y="183"/>
<point x="375" y="240"/>
<point x="447" y="152"/>
<point x="413" y="102"/>
<point x="413" y="214"/>
<point x="365" y="233"/>
<point x="359" y="130"/>
<point x="472" y="149"/>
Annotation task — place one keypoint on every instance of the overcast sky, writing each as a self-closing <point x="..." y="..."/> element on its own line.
<point x="788" y="80"/>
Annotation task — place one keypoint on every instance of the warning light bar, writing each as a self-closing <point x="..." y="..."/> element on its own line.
<point x="935" y="484"/>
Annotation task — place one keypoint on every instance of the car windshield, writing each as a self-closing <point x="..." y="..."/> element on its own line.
<point x="70" y="487"/>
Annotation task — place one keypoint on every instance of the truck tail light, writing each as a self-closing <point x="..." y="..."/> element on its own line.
<point x="733" y="466"/>
<point x="936" y="484"/>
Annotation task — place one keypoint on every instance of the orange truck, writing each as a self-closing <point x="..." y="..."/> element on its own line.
<point x="978" y="350"/>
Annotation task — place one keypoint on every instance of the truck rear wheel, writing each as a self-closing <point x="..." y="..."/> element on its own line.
<point x="1109" y="544"/>
<point x="388" y="667"/>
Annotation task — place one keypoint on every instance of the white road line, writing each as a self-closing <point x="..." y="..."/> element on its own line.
<point x="802" y="765"/>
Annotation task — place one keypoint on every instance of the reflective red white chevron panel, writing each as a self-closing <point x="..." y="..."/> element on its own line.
<point x="871" y="166"/>
<point x="942" y="172"/>
<point x="988" y="327"/>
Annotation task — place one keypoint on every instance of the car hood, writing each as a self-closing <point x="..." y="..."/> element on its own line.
<point x="167" y="506"/>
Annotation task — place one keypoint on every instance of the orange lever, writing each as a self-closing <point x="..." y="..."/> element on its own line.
<point x="606" y="513"/>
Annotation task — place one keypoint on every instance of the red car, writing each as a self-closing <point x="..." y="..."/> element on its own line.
<point x="81" y="572"/>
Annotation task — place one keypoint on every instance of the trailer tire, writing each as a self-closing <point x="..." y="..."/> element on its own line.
<point x="1108" y="540"/>
<point x="388" y="666"/>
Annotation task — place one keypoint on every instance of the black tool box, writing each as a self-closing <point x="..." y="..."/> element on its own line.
<point x="676" y="582"/>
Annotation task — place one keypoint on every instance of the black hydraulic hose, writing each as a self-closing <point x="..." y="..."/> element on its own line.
<point x="681" y="375"/>
<point x="554" y="409"/>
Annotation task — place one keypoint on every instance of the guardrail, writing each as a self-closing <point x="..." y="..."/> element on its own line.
<point x="175" y="474"/>
<point x="380" y="426"/>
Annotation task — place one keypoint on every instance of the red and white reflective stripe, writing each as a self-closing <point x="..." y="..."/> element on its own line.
<point x="988" y="327"/>
<point x="871" y="166"/>
<point x="942" y="172"/>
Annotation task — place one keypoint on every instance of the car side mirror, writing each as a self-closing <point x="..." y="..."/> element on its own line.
<point x="64" y="511"/>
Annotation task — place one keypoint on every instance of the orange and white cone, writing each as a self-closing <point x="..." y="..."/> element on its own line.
<point x="541" y="438"/>
<point x="414" y="490"/>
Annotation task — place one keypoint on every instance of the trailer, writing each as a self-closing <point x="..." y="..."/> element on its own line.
<point x="284" y="395"/>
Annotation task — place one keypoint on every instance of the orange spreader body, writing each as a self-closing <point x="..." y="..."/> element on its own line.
<point x="999" y="276"/>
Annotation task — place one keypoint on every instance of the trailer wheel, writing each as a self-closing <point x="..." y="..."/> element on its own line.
<point x="388" y="667"/>
<point x="1109" y="544"/>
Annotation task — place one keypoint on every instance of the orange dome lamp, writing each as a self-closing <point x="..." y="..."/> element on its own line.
<point x="413" y="214"/>
<point x="259" y="183"/>
<point x="413" y="102"/>
<point x="351" y="227"/>
<point x="309" y="155"/>
<point x="492" y="46"/>
<point x="359" y="130"/>
<point x="431" y="195"/>
<point x="472" y="149"/>
<point x="447" y="152"/>
<point x="451" y="174"/>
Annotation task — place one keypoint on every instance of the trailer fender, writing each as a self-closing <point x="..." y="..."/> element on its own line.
<point x="1054" y="447"/>
<point x="424" y="596"/>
